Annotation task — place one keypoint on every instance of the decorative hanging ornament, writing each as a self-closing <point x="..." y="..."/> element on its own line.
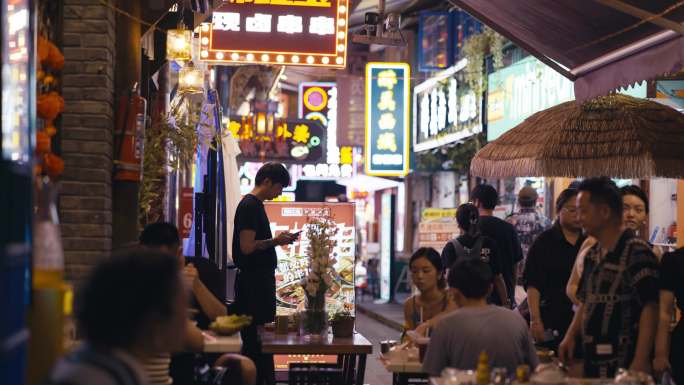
<point x="179" y="44"/>
<point x="191" y="79"/>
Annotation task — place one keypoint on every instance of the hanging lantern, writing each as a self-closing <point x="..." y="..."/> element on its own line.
<point x="179" y="44"/>
<point x="263" y="119"/>
<point x="191" y="79"/>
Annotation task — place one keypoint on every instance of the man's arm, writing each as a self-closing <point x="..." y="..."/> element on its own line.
<point x="249" y="244"/>
<point x="647" y="330"/>
<point x="194" y="340"/>
<point x="211" y="306"/>
<point x="500" y="287"/>
<point x="662" y="343"/>
<point x="536" y="323"/>
<point x="566" y="350"/>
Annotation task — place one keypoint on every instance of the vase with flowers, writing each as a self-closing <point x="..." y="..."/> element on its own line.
<point x="321" y="234"/>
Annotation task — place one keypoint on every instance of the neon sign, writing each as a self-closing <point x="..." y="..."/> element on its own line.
<point x="291" y="32"/>
<point x="387" y="119"/>
<point x="445" y="110"/>
<point x="318" y="101"/>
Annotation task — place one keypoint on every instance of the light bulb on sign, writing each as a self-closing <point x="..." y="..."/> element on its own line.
<point x="250" y="56"/>
<point x="280" y="58"/>
<point x="295" y="59"/>
<point x="205" y="54"/>
<point x="265" y="57"/>
<point x="219" y="55"/>
<point x="310" y="59"/>
<point x="205" y="40"/>
<point x="325" y="60"/>
<point x="235" y="56"/>
<point x="339" y="60"/>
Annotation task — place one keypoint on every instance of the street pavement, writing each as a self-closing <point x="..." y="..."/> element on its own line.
<point x="375" y="332"/>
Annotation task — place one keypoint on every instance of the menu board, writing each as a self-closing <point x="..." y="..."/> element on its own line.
<point x="293" y="260"/>
<point x="437" y="233"/>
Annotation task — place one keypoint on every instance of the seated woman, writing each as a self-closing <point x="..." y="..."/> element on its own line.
<point x="427" y="273"/>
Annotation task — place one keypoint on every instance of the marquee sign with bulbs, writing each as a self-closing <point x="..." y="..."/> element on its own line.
<point x="285" y="32"/>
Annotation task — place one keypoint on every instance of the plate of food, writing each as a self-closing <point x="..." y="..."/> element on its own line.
<point x="229" y="324"/>
<point x="290" y="294"/>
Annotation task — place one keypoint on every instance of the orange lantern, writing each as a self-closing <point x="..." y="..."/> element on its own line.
<point x="53" y="164"/>
<point x="55" y="59"/>
<point x="43" y="49"/>
<point x="42" y="142"/>
<point x="49" y="105"/>
<point x="50" y="128"/>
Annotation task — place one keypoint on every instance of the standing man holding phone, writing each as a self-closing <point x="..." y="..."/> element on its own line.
<point x="255" y="257"/>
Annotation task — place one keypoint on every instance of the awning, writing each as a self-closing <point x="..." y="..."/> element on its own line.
<point x="599" y="44"/>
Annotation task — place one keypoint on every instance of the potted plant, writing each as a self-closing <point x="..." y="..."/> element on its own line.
<point x="342" y="324"/>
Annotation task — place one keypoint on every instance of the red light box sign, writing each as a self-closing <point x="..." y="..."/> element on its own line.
<point x="291" y="32"/>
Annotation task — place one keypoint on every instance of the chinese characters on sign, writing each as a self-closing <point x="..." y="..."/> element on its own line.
<point x="387" y="120"/>
<point x="292" y="32"/>
<point x="293" y="261"/>
<point x="445" y="110"/>
<point x="296" y="141"/>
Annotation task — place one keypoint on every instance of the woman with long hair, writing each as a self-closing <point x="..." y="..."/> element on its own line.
<point x="427" y="274"/>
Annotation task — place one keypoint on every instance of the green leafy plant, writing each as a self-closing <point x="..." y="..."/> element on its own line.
<point x="170" y="143"/>
<point x="341" y="315"/>
<point x="475" y="49"/>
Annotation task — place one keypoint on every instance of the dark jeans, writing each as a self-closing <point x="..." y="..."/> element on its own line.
<point x="251" y="347"/>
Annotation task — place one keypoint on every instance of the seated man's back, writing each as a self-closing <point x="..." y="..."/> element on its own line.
<point x="459" y="338"/>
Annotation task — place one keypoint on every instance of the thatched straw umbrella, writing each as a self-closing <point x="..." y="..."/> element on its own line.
<point x="615" y="135"/>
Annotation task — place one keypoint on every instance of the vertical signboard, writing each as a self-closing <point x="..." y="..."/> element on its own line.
<point x="318" y="101"/>
<point x="293" y="260"/>
<point x="387" y="119"/>
<point x="350" y="88"/>
<point x="386" y="245"/>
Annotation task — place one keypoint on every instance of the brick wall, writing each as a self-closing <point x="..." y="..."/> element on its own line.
<point x="87" y="124"/>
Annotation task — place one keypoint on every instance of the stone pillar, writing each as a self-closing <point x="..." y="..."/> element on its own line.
<point x="87" y="124"/>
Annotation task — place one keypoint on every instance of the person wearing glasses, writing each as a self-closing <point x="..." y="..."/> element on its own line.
<point x="547" y="269"/>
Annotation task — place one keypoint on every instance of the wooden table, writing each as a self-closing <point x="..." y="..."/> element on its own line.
<point x="221" y="344"/>
<point x="351" y="352"/>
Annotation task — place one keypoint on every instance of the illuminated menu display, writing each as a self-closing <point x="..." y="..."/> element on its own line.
<point x="292" y="32"/>
<point x="387" y="119"/>
<point x="16" y="85"/>
<point x="293" y="261"/>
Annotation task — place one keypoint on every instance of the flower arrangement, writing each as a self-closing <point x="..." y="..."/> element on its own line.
<point x="321" y="233"/>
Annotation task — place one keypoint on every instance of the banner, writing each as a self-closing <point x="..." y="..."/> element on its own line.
<point x="281" y="32"/>
<point x="293" y="260"/>
<point x="387" y="119"/>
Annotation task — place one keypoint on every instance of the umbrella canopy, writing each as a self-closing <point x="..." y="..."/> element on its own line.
<point x="615" y="135"/>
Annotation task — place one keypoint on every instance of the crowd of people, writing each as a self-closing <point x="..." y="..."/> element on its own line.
<point x="595" y="289"/>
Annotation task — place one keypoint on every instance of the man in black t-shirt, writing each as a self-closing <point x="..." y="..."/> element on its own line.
<point x="485" y="198"/>
<point x="255" y="256"/>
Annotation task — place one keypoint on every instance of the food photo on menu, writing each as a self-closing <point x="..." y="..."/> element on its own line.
<point x="293" y="262"/>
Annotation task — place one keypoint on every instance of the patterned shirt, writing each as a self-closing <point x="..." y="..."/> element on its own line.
<point x="528" y="224"/>
<point x="614" y="290"/>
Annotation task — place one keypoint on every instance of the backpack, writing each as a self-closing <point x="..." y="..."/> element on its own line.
<point x="463" y="254"/>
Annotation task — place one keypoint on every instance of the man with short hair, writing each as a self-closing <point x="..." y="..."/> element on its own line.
<point x="547" y="270"/>
<point x="125" y="324"/>
<point x="460" y="337"/>
<point x="528" y="222"/>
<point x="486" y="198"/>
<point x="618" y="289"/>
<point x="255" y="256"/>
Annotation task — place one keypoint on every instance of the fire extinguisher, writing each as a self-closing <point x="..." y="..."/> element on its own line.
<point x="130" y="136"/>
